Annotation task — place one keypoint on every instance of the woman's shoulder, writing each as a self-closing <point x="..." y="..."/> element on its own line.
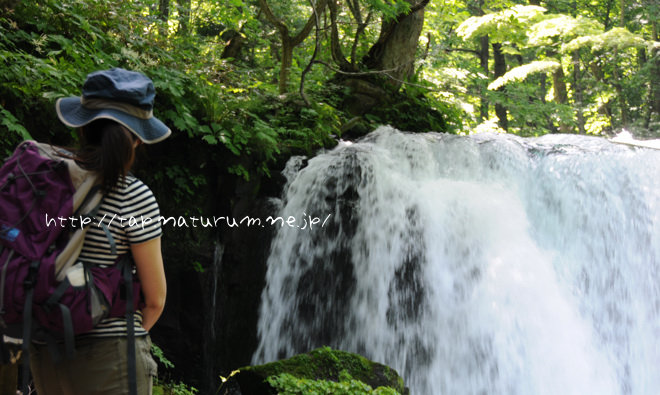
<point x="131" y="185"/>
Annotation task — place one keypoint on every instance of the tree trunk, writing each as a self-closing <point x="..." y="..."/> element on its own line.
<point x="483" y="62"/>
<point x="500" y="70"/>
<point x="184" y="16"/>
<point x="577" y="88"/>
<point x="394" y="52"/>
<point x="285" y="64"/>
<point x="164" y="15"/>
<point x="390" y="62"/>
<point x="289" y="42"/>
<point x="606" y="19"/>
<point x="561" y="95"/>
<point x="561" y="92"/>
<point x="477" y="9"/>
<point x="335" y="45"/>
<point x="655" y="77"/>
<point x="164" y="10"/>
<point x="618" y="87"/>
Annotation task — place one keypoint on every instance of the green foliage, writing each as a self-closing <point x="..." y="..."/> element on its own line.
<point x="521" y="72"/>
<point x="13" y="126"/>
<point x="173" y="389"/>
<point x="616" y="38"/>
<point x="158" y="353"/>
<point x="167" y="387"/>
<point x="389" y="9"/>
<point x="562" y="27"/>
<point x="207" y="101"/>
<point x="232" y="107"/>
<point x="580" y="74"/>
<point x="504" y="26"/>
<point x="287" y="384"/>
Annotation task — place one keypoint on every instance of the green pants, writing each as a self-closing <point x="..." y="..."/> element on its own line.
<point x="98" y="368"/>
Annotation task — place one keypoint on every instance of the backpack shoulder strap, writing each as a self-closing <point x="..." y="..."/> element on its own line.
<point x="82" y="180"/>
<point x="86" y="201"/>
<point x="69" y="254"/>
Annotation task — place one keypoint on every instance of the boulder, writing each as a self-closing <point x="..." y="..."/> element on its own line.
<point x="321" y="371"/>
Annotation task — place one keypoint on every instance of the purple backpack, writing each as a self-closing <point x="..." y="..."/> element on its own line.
<point x="45" y="293"/>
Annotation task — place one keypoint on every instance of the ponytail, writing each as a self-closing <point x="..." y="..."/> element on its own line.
<point x="107" y="149"/>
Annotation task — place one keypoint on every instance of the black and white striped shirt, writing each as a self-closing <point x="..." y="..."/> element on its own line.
<point x="130" y="212"/>
<point x="131" y="215"/>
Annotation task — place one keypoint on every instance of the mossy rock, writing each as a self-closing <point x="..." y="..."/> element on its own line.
<point x="321" y="371"/>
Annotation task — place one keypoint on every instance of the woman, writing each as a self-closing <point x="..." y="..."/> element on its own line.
<point x="114" y="116"/>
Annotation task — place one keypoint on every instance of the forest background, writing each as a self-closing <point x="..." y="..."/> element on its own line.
<point x="246" y="84"/>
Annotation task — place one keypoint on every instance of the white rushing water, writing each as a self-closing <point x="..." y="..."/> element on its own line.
<point x="488" y="264"/>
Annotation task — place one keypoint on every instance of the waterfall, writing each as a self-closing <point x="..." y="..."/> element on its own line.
<point x="486" y="264"/>
<point x="216" y="267"/>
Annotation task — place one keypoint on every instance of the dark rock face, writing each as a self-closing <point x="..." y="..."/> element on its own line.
<point x="322" y="364"/>
<point x="365" y="95"/>
<point x="240" y="283"/>
<point x="209" y="326"/>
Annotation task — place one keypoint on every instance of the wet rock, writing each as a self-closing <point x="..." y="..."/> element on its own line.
<point x="322" y="370"/>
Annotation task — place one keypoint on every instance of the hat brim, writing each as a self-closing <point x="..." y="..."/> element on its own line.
<point x="73" y="114"/>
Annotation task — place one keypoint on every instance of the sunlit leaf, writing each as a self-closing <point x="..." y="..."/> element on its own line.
<point x="616" y="38"/>
<point x="500" y="26"/>
<point x="563" y="27"/>
<point x="521" y="72"/>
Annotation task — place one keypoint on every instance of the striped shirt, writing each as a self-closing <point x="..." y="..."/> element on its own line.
<point x="131" y="215"/>
<point x="130" y="212"/>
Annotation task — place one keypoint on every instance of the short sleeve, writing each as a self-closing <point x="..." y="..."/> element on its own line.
<point x="140" y="213"/>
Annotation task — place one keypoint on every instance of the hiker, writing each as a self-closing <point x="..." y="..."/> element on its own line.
<point x="113" y="116"/>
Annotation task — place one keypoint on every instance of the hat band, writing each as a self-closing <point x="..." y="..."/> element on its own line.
<point x="103" y="104"/>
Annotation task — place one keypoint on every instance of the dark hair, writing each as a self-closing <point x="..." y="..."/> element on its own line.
<point x="107" y="149"/>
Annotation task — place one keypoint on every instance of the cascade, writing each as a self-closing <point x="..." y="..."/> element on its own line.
<point x="484" y="264"/>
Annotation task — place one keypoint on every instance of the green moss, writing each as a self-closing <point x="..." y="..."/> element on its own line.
<point x="287" y="384"/>
<point x="328" y="371"/>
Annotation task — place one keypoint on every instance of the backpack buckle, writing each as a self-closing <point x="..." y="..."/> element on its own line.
<point x="29" y="282"/>
<point x="31" y="278"/>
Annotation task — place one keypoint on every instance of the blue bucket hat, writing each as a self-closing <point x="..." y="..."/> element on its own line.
<point x="124" y="96"/>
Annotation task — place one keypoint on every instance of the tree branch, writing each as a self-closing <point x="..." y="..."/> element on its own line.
<point x="472" y="51"/>
<point x="311" y="61"/>
<point x="278" y="23"/>
<point x="356" y="73"/>
<point x="360" y="29"/>
<point x="381" y="72"/>
<point x="354" y="6"/>
<point x="298" y="38"/>
<point x="335" y="48"/>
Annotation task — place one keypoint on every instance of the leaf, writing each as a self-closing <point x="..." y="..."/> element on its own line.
<point x="500" y="26"/>
<point x="10" y="122"/>
<point x="210" y="139"/>
<point x="389" y="9"/>
<point x="562" y="27"/>
<point x="521" y="72"/>
<point x="616" y="38"/>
